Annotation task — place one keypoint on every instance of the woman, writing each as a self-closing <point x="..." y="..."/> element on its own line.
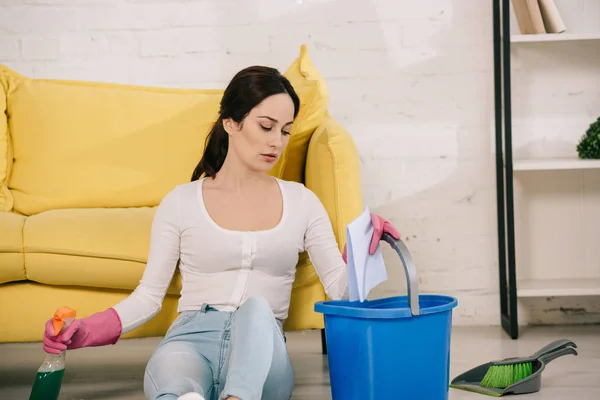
<point x="236" y="233"/>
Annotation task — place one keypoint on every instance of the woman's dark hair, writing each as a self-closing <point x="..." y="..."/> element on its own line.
<point x="247" y="89"/>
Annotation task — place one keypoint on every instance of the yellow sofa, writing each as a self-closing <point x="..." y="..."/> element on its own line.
<point x="83" y="166"/>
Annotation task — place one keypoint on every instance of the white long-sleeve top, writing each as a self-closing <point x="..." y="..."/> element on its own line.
<point x="223" y="267"/>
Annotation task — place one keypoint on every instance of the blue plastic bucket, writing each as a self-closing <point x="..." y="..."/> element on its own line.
<point x="396" y="347"/>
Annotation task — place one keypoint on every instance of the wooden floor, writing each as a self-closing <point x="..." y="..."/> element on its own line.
<point x="115" y="372"/>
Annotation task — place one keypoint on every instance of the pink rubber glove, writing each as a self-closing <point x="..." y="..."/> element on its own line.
<point x="380" y="226"/>
<point x="100" y="329"/>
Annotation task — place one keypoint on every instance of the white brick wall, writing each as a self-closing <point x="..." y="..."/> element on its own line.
<point x="9" y="49"/>
<point x="411" y="80"/>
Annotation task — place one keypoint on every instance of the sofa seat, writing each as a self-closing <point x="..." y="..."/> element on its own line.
<point x="92" y="247"/>
<point x="11" y="247"/>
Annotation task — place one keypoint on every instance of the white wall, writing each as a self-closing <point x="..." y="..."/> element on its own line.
<point x="411" y="80"/>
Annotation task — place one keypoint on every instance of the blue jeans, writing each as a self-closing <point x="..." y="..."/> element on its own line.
<point x="220" y="354"/>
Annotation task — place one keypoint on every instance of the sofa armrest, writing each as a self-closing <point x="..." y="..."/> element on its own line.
<point x="333" y="174"/>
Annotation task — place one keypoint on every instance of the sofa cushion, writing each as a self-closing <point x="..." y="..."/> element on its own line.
<point x="104" y="248"/>
<point x="5" y="149"/>
<point x="314" y="99"/>
<point x="11" y="247"/>
<point x="86" y="144"/>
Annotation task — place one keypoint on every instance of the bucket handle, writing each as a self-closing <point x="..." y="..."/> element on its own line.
<point x="412" y="279"/>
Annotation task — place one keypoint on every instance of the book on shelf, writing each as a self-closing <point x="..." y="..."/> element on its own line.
<point x="529" y="16"/>
<point x="552" y="19"/>
<point x="537" y="16"/>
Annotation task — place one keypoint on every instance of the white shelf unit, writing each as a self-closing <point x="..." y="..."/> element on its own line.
<point x="557" y="228"/>
<point x="555" y="97"/>
<point x="554" y="164"/>
<point x="552" y="287"/>
<point x="554" y="37"/>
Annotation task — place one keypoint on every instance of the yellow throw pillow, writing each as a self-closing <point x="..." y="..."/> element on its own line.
<point x="6" y="200"/>
<point x="314" y="99"/>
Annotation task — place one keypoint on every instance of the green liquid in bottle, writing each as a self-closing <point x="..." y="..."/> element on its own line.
<point x="49" y="378"/>
<point x="47" y="385"/>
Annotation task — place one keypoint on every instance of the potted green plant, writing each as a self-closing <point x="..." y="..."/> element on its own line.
<point x="589" y="144"/>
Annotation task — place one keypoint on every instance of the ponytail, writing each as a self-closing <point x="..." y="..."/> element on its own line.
<point x="217" y="143"/>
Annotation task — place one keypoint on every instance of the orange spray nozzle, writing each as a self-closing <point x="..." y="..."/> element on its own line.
<point x="61" y="316"/>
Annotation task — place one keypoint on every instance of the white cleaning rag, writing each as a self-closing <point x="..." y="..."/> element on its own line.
<point x="365" y="271"/>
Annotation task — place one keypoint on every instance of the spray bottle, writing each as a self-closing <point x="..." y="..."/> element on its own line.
<point x="49" y="377"/>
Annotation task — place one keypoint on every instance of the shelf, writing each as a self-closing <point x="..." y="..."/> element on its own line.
<point x="545" y="164"/>
<point x="558" y="287"/>
<point x="554" y="37"/>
